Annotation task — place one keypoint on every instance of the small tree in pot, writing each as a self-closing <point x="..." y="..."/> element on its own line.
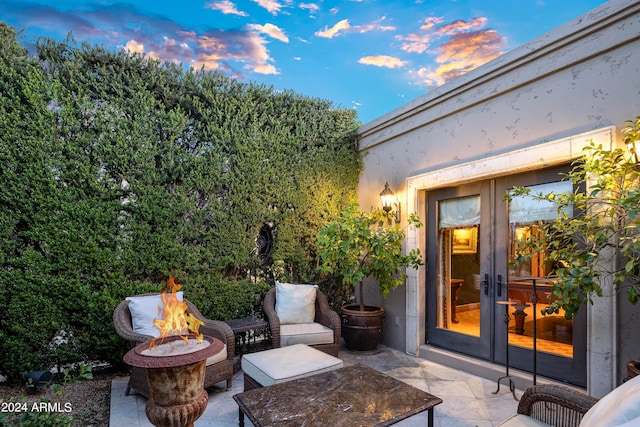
<point x="358" y="245"/>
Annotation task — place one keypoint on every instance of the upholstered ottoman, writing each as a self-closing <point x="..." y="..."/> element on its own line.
<point x="284" y="364"/>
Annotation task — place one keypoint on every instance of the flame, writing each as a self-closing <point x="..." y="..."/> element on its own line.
<point x="174" y="317"/>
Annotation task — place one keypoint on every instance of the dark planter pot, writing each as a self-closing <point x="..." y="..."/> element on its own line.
<point x="362" y="330"/>
<point x="37" y="379"/>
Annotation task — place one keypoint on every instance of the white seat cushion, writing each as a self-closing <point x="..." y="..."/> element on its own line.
<point x="621" y="407"/>
<point x="522" y="421"/>
<point x="218" y="357"/>
<point x="305" y="333"/>
<point x="287" y="363"/>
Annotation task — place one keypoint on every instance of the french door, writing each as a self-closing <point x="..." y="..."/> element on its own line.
<point x="477" y="299"/>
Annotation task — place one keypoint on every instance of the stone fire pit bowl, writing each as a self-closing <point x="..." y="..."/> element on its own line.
<point x="175" y="371"/>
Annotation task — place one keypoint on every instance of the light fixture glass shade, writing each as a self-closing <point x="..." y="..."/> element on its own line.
<point x="387" y="197"/>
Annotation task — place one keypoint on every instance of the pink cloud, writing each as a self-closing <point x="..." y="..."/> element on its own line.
<point x="461" y="26"/>
<point x="415" y="43"/>
<point x="225" y="6"/>
<point x="313" y="8"/>
<point x="463" y="46"/>
<point x="272" y="6"/>
<point x="374" y="26"/>
<point x="382" y="61"/>
<point x="460" y="54"/>
<point x="430" y="22"/>
<point x="233" y="52"/>
<point x="345" y="27"/>
<point x="270" y="30"/>
<point x="335" y="30"/>
<point x="217" y="48"/>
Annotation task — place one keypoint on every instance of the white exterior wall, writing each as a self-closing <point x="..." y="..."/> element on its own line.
<point x="533" y="107"/>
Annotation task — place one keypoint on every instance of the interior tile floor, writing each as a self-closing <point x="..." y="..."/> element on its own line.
<point x="468" y="400"/>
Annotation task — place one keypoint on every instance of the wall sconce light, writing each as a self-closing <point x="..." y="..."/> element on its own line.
<point x="389" y="200"/>
<point x="634" y="149"/>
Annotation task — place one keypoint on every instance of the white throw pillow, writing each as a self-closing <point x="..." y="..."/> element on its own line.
<point x="621" y="407"/>
<point x="295" y="303"/>
<point x="144" y="310"/>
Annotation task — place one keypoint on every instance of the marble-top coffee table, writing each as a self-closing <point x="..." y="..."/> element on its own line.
<point x="352" y="396"/>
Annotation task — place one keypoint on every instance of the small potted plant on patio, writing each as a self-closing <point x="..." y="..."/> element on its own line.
<point x="358" y="245"/>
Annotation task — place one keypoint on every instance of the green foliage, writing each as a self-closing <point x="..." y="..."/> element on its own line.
<point x="119" y="170"/>
<point x="359" y="244"/>
<point x="606" y="224"/>
<point x="224" y="299"/>
<point x="80" y="373"/>
<point x="631" y="132"/>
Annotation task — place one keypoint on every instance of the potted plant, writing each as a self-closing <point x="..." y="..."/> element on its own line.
<point x="358" y="245"/>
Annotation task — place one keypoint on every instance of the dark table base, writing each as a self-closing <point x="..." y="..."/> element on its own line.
<point x="243" y="329"/>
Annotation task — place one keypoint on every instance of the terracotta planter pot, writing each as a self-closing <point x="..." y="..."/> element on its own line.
<point x="362" y="330"/>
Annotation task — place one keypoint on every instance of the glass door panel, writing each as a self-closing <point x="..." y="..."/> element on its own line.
<point x="560" y="344"/>
<point x="459" y="320"/>
<point x="472" y="236"/>
<point x="458" y="265"/>
<point x="527" y="218"/>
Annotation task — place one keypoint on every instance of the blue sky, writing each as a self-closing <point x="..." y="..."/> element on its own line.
<point x="370" y="55"/>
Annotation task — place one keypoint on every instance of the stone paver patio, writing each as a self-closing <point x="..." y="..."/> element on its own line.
<point x="468" y="399"/>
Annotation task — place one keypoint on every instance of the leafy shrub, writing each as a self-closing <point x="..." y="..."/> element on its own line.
<point x="119" y="170"/>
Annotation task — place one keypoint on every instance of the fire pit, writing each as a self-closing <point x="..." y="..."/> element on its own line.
<point x="175" y="371"/>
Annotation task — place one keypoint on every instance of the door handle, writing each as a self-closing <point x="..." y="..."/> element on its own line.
<point x="499" y="285"/>
<point x="485" y="283"/>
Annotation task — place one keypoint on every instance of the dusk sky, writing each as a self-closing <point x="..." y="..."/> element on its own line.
<point x="373" y="56"/>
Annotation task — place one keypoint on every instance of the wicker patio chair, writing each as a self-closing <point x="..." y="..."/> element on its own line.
<point x="555" y="405"/>
<point x="215" y="373"/>
<point x="323" y="315"/>
<point x="561" y="406"/>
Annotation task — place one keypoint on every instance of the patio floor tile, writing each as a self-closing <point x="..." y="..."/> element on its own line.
<point x="468" y="399"/>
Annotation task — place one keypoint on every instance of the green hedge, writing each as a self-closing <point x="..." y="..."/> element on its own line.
<point x="119" y="170"/>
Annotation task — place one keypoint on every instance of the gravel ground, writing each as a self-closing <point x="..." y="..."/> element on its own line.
<point x="87" y="402"/>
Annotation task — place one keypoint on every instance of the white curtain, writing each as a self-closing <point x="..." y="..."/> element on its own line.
<point x="526" y="209"/>
<point x="459" y="213"/>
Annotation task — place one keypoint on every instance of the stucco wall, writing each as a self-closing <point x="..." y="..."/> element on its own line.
<point x="580" y="77"/>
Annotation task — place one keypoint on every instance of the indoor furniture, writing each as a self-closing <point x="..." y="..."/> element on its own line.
<point x="456" y="284"/>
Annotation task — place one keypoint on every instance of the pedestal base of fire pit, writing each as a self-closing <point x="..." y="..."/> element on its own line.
<point x="176" y="381"/>
<point x="177" y="415"/>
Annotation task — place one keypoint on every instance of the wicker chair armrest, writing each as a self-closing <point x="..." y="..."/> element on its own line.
<point x="269" y="307"/>
<point x="555" y="404"/>
<point x="214" y="328"/>
<point x="327" y="317"/>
